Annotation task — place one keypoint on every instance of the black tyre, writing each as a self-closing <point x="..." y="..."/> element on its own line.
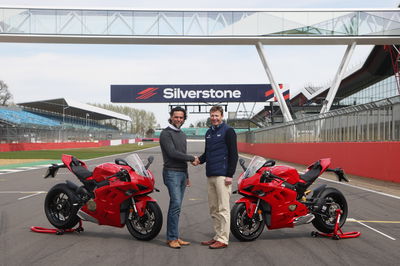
<point x="61" y="207"/>
<point x="243" y="227"/>
<point x="332" y="199"/>
<point x="149" y="225"/>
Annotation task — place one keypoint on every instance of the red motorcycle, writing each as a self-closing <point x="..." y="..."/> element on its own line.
<point x="113" y="194"/>
<point x="277" y="196"/>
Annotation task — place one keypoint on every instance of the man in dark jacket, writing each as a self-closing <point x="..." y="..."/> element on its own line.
<point x="175" y="175"/>
<point x="221" y="156"/>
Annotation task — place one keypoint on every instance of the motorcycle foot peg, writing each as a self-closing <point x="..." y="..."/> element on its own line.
<point x="305" y="219"/>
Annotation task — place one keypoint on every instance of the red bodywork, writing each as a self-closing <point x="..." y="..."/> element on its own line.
<point x="109" y="198"/>
<point x="275" y="194"/>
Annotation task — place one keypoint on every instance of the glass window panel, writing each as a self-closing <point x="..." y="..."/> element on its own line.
<point x="371" y="23"/>
<point x="245" y="23"/>
<point x="321" y="22"/>
<point x="295" y="23"/>
<point x="16" y="20"/>
<point x="270" y="23"/>
<point x="69" y="22"/>
<point x="146" y="23"/>
<point x="195" y="23"/>
<point x="120" y="23"/>
<point x="43" y="21"/>
<point x="391" y="23"/>
<point x="95" y="22"/>
<point x="220" y="23"/>
<point x="171" y="23"/>
<point x="345" y="23"/>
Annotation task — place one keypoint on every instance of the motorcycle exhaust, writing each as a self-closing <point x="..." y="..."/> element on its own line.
<point x="306" y="219"/>
<point x="86" y="217"/>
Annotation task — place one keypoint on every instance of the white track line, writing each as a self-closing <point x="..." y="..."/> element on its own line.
<point x="373" y="229"/>
<point x="38" y="193"/>
<point x="365" y="189"/>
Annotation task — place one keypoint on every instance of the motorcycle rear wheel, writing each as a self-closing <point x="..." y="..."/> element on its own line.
<point x="243" y="227"/>
<point x="333" y="199"/>
<point x="149" y="225"/>
<point x="61" y="207"/>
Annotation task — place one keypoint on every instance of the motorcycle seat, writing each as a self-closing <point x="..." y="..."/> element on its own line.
<point x="312" y="173"/>
<point x="79" y="170"/>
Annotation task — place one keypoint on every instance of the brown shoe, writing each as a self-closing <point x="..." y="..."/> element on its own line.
<point x="218" y="245"/>
<point x="183" y="243"/>
<point x="209" y="242"/>
<point x="173" y="244"/>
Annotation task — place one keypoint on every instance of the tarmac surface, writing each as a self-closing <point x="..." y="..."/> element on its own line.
<point x="373" y="210"/>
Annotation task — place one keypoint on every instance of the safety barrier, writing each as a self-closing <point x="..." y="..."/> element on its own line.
<point x="378" y="160"/>
<point x="363" y="139"/>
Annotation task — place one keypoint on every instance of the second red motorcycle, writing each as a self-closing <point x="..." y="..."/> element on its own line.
<point x="278" y="197"/>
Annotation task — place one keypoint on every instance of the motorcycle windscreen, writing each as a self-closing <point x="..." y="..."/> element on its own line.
<point x="137" y="165"/>
<point x="255" y="164"/>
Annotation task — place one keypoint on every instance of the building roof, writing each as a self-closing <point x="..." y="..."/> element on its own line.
<point x="71" y="107"/>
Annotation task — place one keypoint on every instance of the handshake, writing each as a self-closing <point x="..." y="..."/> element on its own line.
<point x="196" y="161"/>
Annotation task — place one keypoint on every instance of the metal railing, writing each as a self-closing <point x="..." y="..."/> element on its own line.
<point x="13" y="134"/>
<point x="375" y="121"/>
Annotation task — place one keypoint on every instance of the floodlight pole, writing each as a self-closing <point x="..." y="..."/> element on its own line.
<point x="326" y="106"/>
<point x="277" y="92"/>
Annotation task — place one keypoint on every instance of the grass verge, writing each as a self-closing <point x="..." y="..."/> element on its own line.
<point x="87" y="153"/>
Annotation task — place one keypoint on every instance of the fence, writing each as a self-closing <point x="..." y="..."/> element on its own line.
<point x="375" y="121"/>
<point x="11" y="134"/>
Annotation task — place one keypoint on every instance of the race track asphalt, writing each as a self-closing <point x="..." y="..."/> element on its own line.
<point x="22" y="194"/>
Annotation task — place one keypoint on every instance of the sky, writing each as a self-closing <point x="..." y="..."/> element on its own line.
<point x="85" y="72"/>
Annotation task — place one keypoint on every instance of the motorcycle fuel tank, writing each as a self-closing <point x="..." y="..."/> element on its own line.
<point x="104" y="170"/>
<point x="289" y="173"/>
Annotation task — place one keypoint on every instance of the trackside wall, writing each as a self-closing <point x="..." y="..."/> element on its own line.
<point x="378" y="160"/>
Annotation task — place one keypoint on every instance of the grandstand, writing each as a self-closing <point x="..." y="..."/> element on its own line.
<point x="58" y="120"/>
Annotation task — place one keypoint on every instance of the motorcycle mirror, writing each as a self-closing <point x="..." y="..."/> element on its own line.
<point x="269" y="163"/>
<point x="149" y="161"/>
<point x="120" y="161"/>
<point x="242" y="162"/>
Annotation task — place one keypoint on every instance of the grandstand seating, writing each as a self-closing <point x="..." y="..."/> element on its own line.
<point x="20" y="117"/>
<point x="28" y="118"/>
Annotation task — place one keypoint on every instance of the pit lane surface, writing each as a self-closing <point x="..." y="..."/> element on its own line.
<point x="21" y="206"/>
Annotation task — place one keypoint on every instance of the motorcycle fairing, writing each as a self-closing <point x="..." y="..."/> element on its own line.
<point x="250" y="203"/>
<point x="141" y="203"/>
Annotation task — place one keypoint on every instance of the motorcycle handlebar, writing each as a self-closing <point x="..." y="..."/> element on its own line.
<point x="269" y="175"/>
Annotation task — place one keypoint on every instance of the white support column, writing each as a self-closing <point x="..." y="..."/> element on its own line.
<point x="338" y="79"/>
<point x="278" y="94"/>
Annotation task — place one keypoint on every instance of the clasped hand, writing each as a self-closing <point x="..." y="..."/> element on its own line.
<point x="196" y="161"/>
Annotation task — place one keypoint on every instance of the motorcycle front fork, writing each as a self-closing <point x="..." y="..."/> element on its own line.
<point x="256" y="210"/>
<point x="134" y="209"/>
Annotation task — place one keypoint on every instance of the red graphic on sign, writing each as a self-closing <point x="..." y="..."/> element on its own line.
<point x="147" y="93"/>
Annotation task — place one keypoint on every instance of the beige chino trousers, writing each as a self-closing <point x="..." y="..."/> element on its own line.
<point x="218" y="202"/>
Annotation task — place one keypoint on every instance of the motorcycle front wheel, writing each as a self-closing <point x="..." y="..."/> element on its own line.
<point x="61" y="207"/>
<point x="332" y="199"/>
<point x="243" y="227"/>
<point x="149" y="225"/>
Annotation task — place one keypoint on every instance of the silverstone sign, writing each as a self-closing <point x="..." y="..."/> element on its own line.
<point x="191" y="93"/>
